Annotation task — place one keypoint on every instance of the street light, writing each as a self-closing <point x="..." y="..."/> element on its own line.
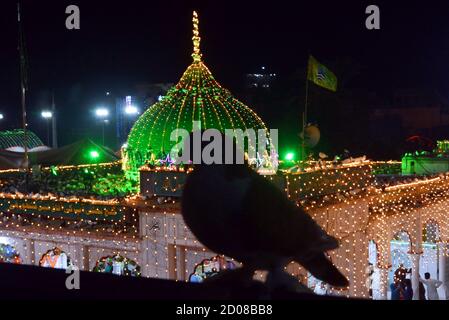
<point x="131" y="110"/>
<point x="103" y="114"/>
<point x="1" y="116"/>
<point x="47" y="115"/>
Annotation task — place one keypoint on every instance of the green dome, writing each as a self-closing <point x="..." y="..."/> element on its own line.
<point x="196" y="97"/>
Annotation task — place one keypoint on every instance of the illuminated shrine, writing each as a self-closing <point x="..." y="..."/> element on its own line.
<point x="197" y="97"/>
<point x="93" y="217"/>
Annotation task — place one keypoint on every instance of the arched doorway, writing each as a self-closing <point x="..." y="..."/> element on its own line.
<point x="400" y="247"/>
<point x="117" y="265"/>
<point x="56" y="259"/>
<point x="210" y="267"/>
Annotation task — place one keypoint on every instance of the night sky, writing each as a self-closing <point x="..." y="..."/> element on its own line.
<point x="124" y="43"/>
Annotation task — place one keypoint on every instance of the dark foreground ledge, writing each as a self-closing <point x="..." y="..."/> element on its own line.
<point x="30" y="282"/>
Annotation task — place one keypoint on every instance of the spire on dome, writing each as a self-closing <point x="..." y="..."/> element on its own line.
<point x="196" y="55"/>
<point x="197" y="96"/>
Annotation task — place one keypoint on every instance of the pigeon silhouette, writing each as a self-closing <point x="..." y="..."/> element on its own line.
<point x="234" y="211"/>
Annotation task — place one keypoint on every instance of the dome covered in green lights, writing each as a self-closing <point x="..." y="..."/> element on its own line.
<point x="196" y="97"/>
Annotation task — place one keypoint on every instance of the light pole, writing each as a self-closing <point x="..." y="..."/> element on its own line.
<point x="131" y="111"/>
<point x="54" y="134"/>
<point x="47" y="115"/>
<point x="102" y="114"/>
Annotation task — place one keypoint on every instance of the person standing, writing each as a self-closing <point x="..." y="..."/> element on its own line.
<point x="446" y="290"/>
<point x="407" y="289"/>
<point x="422" y="291"/>
<point x="401" y="273"/>
<point x="396" y="289"/>
<point x="431" y="285"/>
<point x="369" y="279"/>
<point x="320" y="288"/>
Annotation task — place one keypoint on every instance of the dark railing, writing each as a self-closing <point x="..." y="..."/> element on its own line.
<point x="31" y="282"/>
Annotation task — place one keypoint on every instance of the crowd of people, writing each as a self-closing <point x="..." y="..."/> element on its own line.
<point x="401" y="288"/>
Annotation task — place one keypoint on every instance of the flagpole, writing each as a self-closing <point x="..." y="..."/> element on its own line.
<point x="306" y="102"/>
<point x="23" y="90"/>
<point x="304" y="115"/>
<point x="53" y="122"/>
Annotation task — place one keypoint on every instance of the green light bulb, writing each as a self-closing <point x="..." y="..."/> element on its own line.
<point x="290" y="156"/>
<point x="94" y="154"/>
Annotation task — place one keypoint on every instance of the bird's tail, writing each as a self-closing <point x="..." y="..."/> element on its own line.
<point x="316" y="262"/>
<point x="321" y="268"/>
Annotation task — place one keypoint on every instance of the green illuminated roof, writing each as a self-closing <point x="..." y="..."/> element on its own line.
<point x="16" y="138"/>
<point x="196" y="97"/>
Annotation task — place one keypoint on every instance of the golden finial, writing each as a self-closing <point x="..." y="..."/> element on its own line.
<point x="196" y="38"/>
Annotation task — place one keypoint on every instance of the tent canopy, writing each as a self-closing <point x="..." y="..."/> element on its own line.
<point x="81" y="152"/>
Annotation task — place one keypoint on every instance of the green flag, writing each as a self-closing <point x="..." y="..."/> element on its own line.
<point x="320" y="75"/>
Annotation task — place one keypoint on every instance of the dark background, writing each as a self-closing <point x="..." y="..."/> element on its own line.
<point x="124" y="43"/>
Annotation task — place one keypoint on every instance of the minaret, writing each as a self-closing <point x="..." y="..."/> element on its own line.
<point x="196" y="55"/>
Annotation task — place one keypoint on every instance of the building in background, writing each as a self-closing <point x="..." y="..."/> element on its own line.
<point x="150" y="93"/>
<point x="260" y="80"/>
<point x="427" y="163"/>
<point x="258" y="90"/>
<point x="128" y="108"/>
<point x="411" y="112"/>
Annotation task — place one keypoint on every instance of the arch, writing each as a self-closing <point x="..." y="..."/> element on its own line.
<point x="117" y="265"/>
<point x="55" y="258"/>
<point x="403" y="236"/>
<point x="400" y="257"/>
<point x="431" y="231"/>
<point x="400" y="246"/>
<point x="437" y="214"/>
<point x="9" y="254"/>
<point x="210" y="267"/>
<point x="431" y="220"/>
